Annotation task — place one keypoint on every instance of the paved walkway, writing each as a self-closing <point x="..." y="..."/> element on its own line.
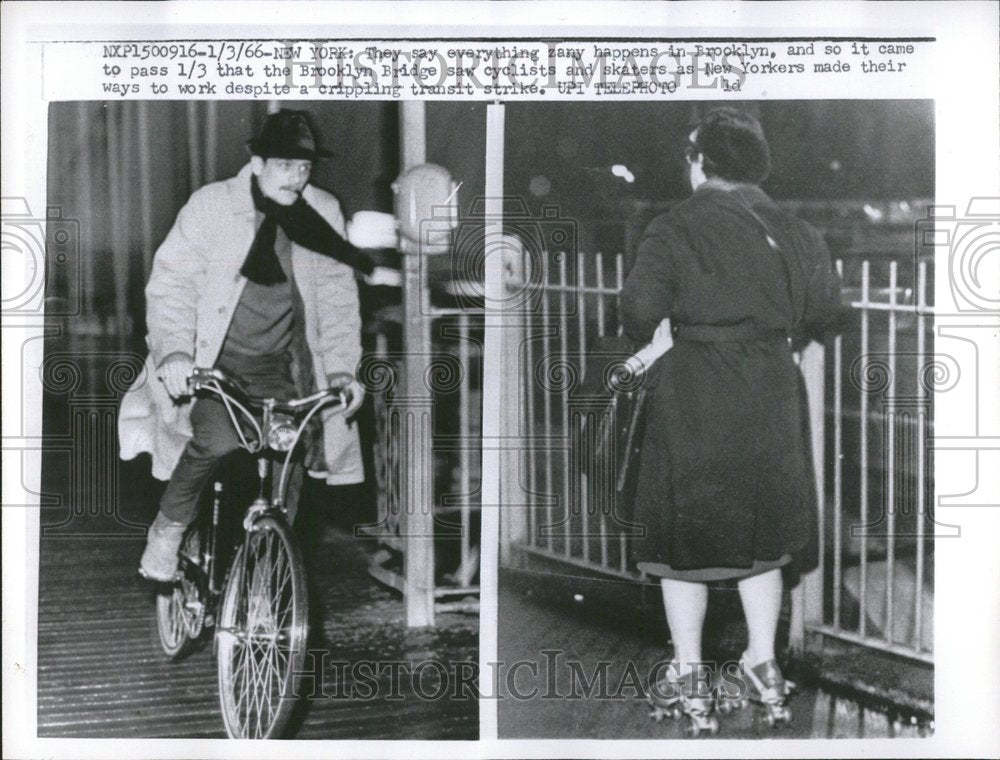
<point x="101" y="672"/>
<point x="563" y="645"/>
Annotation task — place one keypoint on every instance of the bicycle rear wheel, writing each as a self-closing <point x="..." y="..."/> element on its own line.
<point x="180" y="608"/>
<point x="262" y="632"/>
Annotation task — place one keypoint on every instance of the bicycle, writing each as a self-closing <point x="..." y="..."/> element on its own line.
<point x="259" y="606"/>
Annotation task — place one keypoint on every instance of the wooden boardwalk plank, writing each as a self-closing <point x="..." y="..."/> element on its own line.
<point x="101" y="673"/>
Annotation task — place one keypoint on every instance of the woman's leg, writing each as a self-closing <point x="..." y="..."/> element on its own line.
<point x="685" y="603"/>
<point x="761" y="599"/>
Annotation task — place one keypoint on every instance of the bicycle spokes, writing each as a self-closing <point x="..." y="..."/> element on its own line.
<point x="266" y="634"/>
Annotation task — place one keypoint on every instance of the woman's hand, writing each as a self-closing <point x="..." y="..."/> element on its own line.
<point x="663" y="339"/>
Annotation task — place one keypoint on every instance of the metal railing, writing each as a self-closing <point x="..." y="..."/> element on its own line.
<point x="874" y="383"/>
<point x="878" y="555"/>
<point x="441" y="438"/>
<point x="572" y="306"/>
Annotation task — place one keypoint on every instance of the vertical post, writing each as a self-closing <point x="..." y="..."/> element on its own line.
<point x="492" y="406"/>
<point x="211" y="141"/>
<point x="194" y="146"/>
<point x="145" y="187"/>
<point x="838" y="468"/>
<point x="119" y="243"/>
<point x="85" y="191"/>
<point x="514" y="526"/>
<point x="922" y="409"/>
<point x="807" y="597"/>
<point x="418" y="515"/>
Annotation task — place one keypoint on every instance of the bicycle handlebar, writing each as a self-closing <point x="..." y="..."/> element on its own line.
<point x="217" y="380"/>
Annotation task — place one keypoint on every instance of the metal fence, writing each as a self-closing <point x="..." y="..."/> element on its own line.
<point x="875" y="523"/>
<point x="871" y="386"/>
<point x="431" y="435"/>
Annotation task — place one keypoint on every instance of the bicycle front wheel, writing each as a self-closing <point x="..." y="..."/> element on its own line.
<point x="262" y="632"/>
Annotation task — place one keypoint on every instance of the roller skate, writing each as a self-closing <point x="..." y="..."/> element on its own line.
<point x="731" y="690"/>
<point x="762" y="684"/>
<point x="683" y="696"/>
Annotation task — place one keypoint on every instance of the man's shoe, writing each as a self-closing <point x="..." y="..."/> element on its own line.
<point x="159" y="560"/>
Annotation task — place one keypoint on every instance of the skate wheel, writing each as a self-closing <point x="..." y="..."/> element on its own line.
<point x="676" y="714"/>
<point x="656" y="714"/>
<point x="770" y="719"/>
<point x="725" y="706"/>
<point x="713" y="726"/>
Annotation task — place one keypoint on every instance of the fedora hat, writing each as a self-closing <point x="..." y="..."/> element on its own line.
<point x="287" y="134"/>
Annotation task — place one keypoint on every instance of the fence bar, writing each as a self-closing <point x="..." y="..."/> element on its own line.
<point x="890" y="425"/>
<point x="869" y="642"/>
<point x="838" y="468"/>
<point x="599" y="263"/>
<point x="899" y="308"/>
<point x="601" y="328"/>
<point x="546" y="400"/>
<point x="604" y="538"/>
<point x="863" y="475"/>
<point x="922" y="393"/>
<point x="564" y="349"/>
<point x="464" y="427"/>
<point x="560" y="558"/>
<point x="529" y="399"/>
<point x="581" y="309"/>
<point x="619" y="284"/>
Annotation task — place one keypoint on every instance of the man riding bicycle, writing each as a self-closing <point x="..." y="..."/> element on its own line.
<point x="255" y="278"/>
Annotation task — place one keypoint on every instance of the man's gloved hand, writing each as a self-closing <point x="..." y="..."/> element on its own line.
<point x="174" y="372"/>
<point x="353" y="393"/>
<point x="372" y="229"/>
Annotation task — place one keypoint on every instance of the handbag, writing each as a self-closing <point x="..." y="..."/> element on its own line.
<point x="607" y="418"/>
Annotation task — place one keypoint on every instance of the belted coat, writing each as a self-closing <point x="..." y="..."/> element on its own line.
<point x="725" y="476"/>
<point x="191" y="296"/>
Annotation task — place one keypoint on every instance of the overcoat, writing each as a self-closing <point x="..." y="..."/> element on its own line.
<point x="725" y="476"/>
<point x="192" y="293"/>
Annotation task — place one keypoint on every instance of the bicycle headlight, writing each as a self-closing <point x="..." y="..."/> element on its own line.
<point x="281" y="433"/>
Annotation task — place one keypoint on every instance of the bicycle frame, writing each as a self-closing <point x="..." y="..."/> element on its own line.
<point x="277" y="422"/>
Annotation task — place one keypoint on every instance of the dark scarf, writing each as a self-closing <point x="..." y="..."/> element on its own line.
<point x="304" y="226"/>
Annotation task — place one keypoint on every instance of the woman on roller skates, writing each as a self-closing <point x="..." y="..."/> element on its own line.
<point x="725" y="482"/>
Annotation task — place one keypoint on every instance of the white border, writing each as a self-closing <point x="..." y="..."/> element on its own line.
<point x="966" y="89"/>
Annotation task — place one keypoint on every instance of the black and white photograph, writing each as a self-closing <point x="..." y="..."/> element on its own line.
<point x="226" y="510"/>
<point x="500" y="379"/>
<point x="729" y="372"/>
